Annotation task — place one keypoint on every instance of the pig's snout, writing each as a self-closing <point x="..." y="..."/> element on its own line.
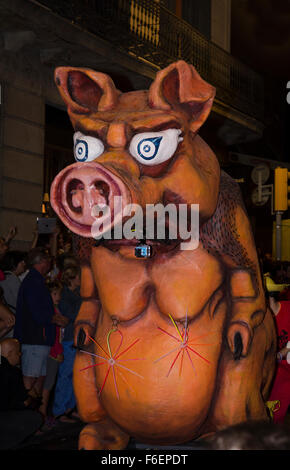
<point x="85" y="192"/>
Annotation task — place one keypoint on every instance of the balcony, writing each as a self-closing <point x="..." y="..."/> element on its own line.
<point x="147" y="30"/>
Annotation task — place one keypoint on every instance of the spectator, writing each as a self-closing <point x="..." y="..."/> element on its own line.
<point x="64" y="399"/>
<point x="56" y="352"/>
<point x="281" y="385"/>
<point x="13" y="265"/>
<point x="34" y="326"/>
<point x="49" y="244"/>
<point x="18" y="418"/>
<point x="65" y="261"/>
<point x="65" y="243"/>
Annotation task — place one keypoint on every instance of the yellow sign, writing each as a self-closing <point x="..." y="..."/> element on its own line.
<point x="281" y="189"/>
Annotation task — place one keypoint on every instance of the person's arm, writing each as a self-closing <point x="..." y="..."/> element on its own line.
<point x="11" y="234"/>
<point x="4" y="329"/>
<point x="282" y="353"/>
<point x="7" y="320"/>
<point x="34" y="239"/>
<point x="6" y="315"/>
<point x="60" y="320"/>
<point x="53" y="242"/>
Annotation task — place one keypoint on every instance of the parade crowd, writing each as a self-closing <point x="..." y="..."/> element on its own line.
<point x="39" y="301"/>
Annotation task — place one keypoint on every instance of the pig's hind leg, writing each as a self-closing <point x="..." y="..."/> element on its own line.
<point x="101" y="433"/>
<point x="104" y="435"/>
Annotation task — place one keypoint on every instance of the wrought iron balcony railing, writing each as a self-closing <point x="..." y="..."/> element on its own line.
<point x="149" y="31"/>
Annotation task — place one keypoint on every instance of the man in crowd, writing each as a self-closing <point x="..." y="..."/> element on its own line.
<point x="34" y="326"/>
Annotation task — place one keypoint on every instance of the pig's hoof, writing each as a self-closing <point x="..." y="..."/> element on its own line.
<point x="239" y="339"/>
<point x="104" y="435"/>
<point x="81" y="339"/>
<point x="238" y="345"/>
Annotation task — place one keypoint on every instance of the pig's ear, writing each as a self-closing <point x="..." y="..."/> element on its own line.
<point x="85" y="90"/>
<point x="179" y="84"/>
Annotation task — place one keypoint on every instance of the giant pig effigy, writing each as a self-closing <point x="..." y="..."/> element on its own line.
<point x="173" y="344"/>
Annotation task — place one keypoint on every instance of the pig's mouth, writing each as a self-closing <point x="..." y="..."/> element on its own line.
<point x="159" y="245"/>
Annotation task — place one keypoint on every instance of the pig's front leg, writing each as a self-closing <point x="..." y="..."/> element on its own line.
<point x="85" y="323"/>
<point x="247" y="298"/>
<point x="88" y="404"/>
<point x="248" y="310"/>
<point x="247" y="365"/>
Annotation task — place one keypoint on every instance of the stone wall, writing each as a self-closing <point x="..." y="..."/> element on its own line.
<point x="24" y="94"/>
<point x="21" y="161"/>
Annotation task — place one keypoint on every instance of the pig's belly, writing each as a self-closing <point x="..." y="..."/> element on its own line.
<point x="158" y="390"/>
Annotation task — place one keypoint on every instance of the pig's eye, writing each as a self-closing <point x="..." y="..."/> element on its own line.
<point x="152" y="148"/>
<point x="87" y="148"/>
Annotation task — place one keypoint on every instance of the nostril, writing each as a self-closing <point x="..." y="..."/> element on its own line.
<point x="79" y="187"/>
<point x="73" y="187"/>
<point x="79" y="194"/>
<point x="103" y="188"/>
